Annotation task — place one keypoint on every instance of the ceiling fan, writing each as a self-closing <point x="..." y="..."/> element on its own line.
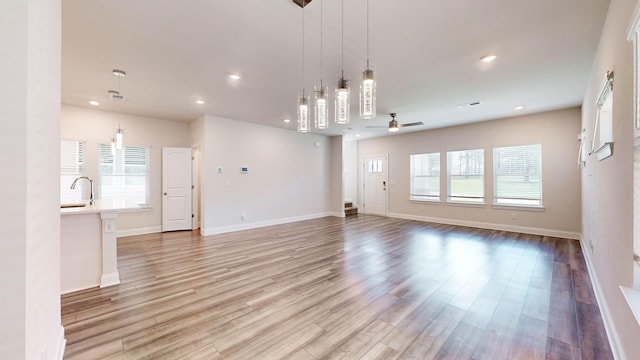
<point x="394" y="125"/>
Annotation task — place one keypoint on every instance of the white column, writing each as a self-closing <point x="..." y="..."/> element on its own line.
<point x="110" y="275"/>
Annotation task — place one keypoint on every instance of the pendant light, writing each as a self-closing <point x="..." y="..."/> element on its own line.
<point x="368" y="85"/>
<point x="321" y="93"/>
<point x="303" y="100"/>
<point x="118" y="140"/>
<point x="342" y="90"/>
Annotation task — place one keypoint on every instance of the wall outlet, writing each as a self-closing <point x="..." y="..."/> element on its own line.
<point x="109" y="227"/>
<point x="514" y="216"/>
<point x="243" y="216"/>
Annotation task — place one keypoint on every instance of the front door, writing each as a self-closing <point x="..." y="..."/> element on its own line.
<point x="176" y="189"/>
<point x="375" y="185"/>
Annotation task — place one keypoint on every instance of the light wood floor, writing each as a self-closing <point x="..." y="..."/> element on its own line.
<point x="364" y="287"/>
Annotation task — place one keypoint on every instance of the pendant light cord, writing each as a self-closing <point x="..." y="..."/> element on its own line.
<point x="367" y="34"/>
<point x="303" y="5"/>
<point x="342" y="35"/>
<point x="321" y="68"/>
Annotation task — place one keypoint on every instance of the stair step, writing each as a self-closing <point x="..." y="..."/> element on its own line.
<point x="348" y="205"/>
<point x="351" y="211"/>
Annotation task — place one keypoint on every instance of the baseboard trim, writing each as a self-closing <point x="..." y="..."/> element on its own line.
<point x="259" y="224"/>
<point x="490" y="226"/>
<point x="62" y="344"/>
<point x="612" y="333"/>
<point x="139" y="231"/>
<point x="110" y="279"/>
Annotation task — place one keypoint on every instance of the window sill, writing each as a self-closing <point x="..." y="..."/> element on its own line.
<point x="518" y="207"/>
<point x="425" y="201"/>
<point x="141" y="208"/>
<point x="466" y="204"/>
<point x="633" y="299"/>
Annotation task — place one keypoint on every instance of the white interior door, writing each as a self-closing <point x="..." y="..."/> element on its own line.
<point x="375" y="185"/>
<point x="176" y="189"/>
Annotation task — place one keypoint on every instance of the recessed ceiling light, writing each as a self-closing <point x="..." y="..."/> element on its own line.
<point x="200" y="102"/>
<point x="287" y="121"/>
<point x="488" y="58"/>
<point x="518" y="108"/>
<point x="357" y="135"/>
<point x="234" y="76"/>
<point x="94" y="103"/>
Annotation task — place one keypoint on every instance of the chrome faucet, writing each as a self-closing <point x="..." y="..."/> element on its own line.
<point x="73" y="186"/>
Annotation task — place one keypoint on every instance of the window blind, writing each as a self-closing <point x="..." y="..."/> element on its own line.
<point x="124" y="173"/>
<point x="424" y="176"/>
<point x="71" y="166"/>
<point x="636" y="204"/>
<point x="518" y="175"/>
<point x="465" y="175"/>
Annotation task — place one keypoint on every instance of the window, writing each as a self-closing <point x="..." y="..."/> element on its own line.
<point x="517" y="175"/>
<point x="465" y="176"/>
<point x="124" y="173"/>
<point x="71" y="166"/>
<point x="375" y="166"/>
<point x="425" y="177"/>
<point x="603" y="126"/>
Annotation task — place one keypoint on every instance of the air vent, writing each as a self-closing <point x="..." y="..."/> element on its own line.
<point x="462" y="106"/>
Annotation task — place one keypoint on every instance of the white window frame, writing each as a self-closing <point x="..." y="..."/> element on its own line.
<point x="119" y="183"/>
<point x="632" y="295"/>
<point x="602" y="141"/>
<point x="72" y="166"/>
<point x="414" y="194"/>
<point x="526" y="173"/>
<point x="460" y="198"/>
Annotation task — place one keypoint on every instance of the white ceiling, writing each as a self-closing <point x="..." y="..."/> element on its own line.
<point x="425" y="54"/>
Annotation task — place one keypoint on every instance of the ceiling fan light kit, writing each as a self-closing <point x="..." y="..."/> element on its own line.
<point x="394" y="125"/>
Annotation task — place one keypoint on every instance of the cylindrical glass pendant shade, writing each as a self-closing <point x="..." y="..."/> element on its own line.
<point x="303" y="113"/>
<point x="322" y="106"/>
<point x="342" y="101"/>
<point x="368" y="95"/>
<point x="119" y="138"/>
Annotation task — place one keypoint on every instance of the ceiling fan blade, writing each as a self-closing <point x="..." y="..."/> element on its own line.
<point x="377" y="127"/>
<point x="411" y="124"/>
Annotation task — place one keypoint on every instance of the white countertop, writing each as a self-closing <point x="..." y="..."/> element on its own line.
<point x="118" y="205"/>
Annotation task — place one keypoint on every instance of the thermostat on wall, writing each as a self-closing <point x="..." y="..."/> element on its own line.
<point x="244" y="170"/>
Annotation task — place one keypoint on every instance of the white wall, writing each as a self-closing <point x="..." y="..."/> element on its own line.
<point x="350" y="163"/>
<point x="555" y="130"/>
<point x="29" y="210"/>
<point x="334" y="169"/>
<point x="96" y="126"/>
<point x="288" y="179"/>
<point x="607" y="186"/>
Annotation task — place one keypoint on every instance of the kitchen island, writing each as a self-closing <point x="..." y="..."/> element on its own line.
<point x="88" y="246"/>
